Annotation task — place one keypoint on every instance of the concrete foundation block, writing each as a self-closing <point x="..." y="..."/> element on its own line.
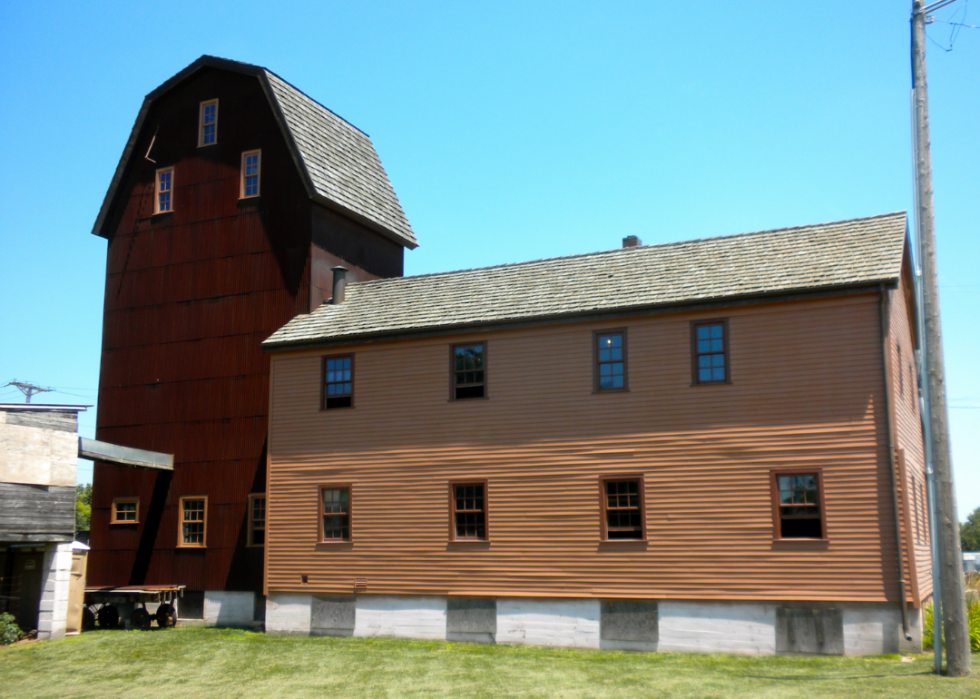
<point x="549" y="622"/>
<point x="471" y="619"/>
<point x="222" y="608"/>
<point x="809" y="630"/>
<point x="874" y="629"/>
<point x="333" y="615"/>
<point x="717" y="627"/>
<point x="400" y="616"/>
<point x="288" y="613"/>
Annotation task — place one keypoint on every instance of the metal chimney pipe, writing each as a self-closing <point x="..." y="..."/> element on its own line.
<point x="339" y="284"/>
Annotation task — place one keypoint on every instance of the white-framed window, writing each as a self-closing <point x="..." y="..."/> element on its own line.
<point x="207" y="133"/>
<point x="251" y="173"/>
<point x="163" y="201"/>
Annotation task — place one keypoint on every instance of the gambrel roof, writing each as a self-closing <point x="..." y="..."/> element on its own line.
<point x="337" y="161"/>
<point x="828" y="256"/>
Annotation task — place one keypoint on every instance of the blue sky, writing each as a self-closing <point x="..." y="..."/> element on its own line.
<point x="511" y="131"/>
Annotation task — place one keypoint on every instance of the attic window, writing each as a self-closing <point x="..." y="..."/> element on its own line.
<point x="163" y="199"/>
<point x="251" y="172"/>
<point x="207" y="133"/>
<point x="709" y="345"/>
<point x="338" y="382"/>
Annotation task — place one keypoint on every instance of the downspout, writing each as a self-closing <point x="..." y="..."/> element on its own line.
<point x="884" y="322"/>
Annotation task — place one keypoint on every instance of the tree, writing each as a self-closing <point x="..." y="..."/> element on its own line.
<point x="970" y="532"/>
<point x="83" y="507"/>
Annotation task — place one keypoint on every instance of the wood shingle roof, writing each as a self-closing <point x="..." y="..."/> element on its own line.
<point x="840" y="254"/>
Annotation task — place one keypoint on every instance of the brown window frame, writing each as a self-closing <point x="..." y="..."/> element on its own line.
<point x="350" y="512"/>
<point x="486" y="509"/>
<point x="452" y="371"/>
<point x="114" y="516"/>
<point x="243" y="183"/>
<point x="777" y="517"/>
<point x="157" y="191"/>
<point x="324" y="397"/>
<point x="251" y="518"/>
<point x="695" y="375"/>
<point x="596" y="364"/>
<point x="181" y="543"/>
<point x="201" y="124"/>
<point x="603" y="506"/>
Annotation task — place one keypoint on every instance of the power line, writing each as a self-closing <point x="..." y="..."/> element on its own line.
<point x="28" y="389"/>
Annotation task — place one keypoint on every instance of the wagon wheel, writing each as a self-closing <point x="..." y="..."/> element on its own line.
<point x="140" y="619"/>
<point x="108" y="617"/>
<point x="88" y="619"/>
<point x="166" y="616"/>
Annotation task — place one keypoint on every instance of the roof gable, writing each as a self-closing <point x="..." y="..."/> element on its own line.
<point x="840" y="254"/>
<point x="337" y="161"/>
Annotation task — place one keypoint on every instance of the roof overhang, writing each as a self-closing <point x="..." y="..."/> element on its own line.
<point x="782" y="296"/>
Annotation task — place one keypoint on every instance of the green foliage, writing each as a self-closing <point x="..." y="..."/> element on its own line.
<point x="9" y="631"/>
<point x="972" y="615"/>
<point x="970" y="532"/>
<point x="83" y="507"/>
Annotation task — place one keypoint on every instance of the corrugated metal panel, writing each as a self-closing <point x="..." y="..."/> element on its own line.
<point x="806" y="391"/>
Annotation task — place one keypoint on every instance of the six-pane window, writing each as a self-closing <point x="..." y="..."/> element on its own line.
<point x="338" y="382"/>
<point x="125" y="511"/>
<point x="335" y="514"/>
<point x="256" y="520"/>
<point x="469" y="371"/>
<point x="622" y="509"/>
<point x="208" y="132"/>
<point x="798" y="509"/>
<point x="193" y="521"/>
<point x="610" y="356"/>
<point x="469" y="511"/>
<point x="251" y="171"/>
<point x="164" y="191"/>
<point x="710" y="352"/>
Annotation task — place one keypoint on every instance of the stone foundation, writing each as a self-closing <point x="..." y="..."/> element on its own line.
<point x="749" y="628"/>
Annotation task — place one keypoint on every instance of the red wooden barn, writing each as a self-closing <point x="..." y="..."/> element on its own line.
<point x="234" y="197"/>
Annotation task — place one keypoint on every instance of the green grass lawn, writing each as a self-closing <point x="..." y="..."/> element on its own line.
<point x="197" y="663"/>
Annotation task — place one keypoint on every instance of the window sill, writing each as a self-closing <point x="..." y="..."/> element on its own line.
<point x="620" y="545"/>
<point x="800" y="544"/>
<point x="469" y="544"/>
<point x="182" y="547"/>
<point x="334" y="546"/>
<point x="710" y="383"/>
<point x="121" y="524"/>
<point x="245" y="200"/>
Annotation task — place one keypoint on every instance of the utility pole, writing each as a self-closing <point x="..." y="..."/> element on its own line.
<point x="947" y="528"/>
<point x="28" y="389"/>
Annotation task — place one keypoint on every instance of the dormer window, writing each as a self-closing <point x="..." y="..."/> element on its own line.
<point x="251" y="171"/>
<point x="207" y="133"/>
<point x="163" y="201"/>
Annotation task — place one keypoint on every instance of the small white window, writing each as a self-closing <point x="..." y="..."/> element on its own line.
<point x="251" y="171"/>
<point x="208" y="130"/>
<point x="164" y="200"/>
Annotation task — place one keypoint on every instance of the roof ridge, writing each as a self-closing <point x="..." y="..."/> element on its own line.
<point x="598" y="253"/>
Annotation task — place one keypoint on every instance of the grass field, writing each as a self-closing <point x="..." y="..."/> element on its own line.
<point x="197" y="663"/>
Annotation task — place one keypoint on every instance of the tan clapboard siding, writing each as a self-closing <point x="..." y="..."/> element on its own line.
<point x="908" y="429"/>
<point x="806" y="391"/>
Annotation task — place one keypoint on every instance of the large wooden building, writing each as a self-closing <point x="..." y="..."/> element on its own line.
<point x="234" y="197"/>
<point x="711" y="445"/>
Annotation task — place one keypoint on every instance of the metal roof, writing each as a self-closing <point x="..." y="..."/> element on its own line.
<point x="839" y="254"/>
<point x="337" y="161"/>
